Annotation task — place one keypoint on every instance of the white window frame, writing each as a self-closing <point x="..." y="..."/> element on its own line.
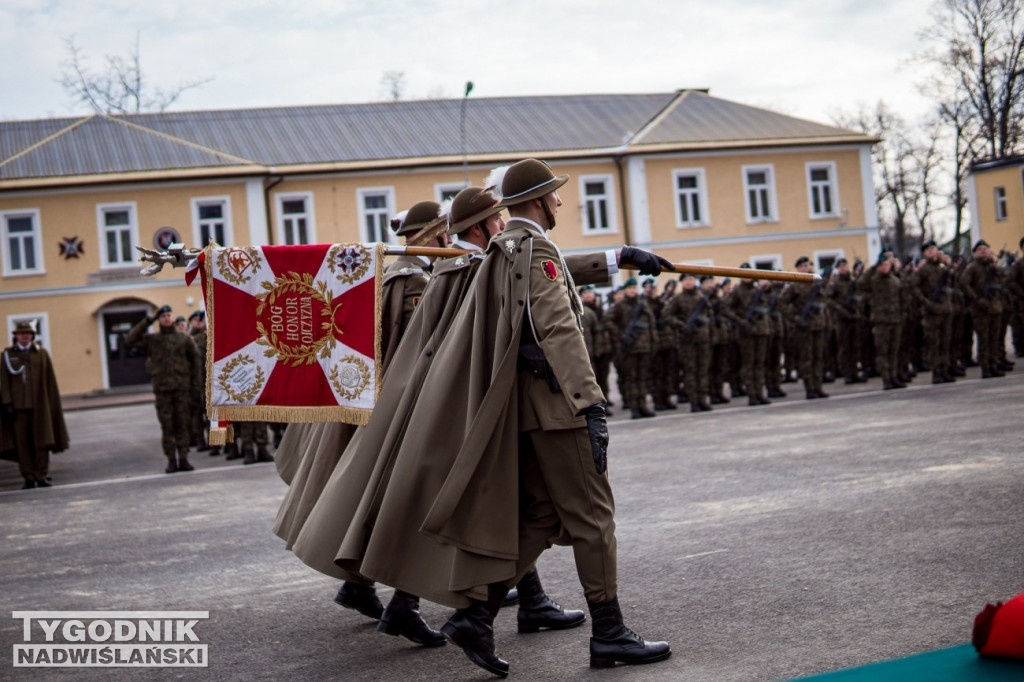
<point x="441" y="187"/>
<point x="389" y="201"/>
<point x="197" y="233"/>
<point x="834" y="254"/>
<point x="133" y="233"/>
<point x="831" y="186"/>
<point x="42" y="337"/>
<point x="773" y="210"/>
<point x="37" y="242"/>
<point x="307" y="197"/>
<point x="701" y="193"/>
<point x="775" y="258"/>
<point x="999" y="194"/>
<point x="608" y="197"/>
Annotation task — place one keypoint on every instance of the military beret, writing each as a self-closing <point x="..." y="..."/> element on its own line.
<point x="197" y="315"/>
<point x="631" y="282"/>
<point x="928" y="244"/>
<point x="841" y="261"/>
<point x="704" y="278"/>
<point x="651" y="281"/>
<point x="801" y="260"/>
<point x="163" y="309"/>
<point x="586" y="287"/>
<point x="746" y="266"/>
<point x="179" y="318"/>
<point x="980" y="243"/>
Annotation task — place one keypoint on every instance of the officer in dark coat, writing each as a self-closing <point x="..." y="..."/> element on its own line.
<point x="32" y="417"/>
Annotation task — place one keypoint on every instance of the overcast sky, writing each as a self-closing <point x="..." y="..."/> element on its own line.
<point x="800" y="57"/>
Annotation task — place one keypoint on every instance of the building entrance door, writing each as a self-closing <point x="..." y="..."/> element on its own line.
<point x="125" y="366"/>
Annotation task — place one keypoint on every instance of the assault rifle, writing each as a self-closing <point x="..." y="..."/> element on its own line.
<point x="696" y="319"/>
<point x="755" y="307"/>
<point x="629" y="336"/>
<point x="812" y="304"/>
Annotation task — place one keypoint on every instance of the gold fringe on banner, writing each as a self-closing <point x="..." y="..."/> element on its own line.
<point x="218" y="435"/>
<point x="378" y="332"/>
<point x="291" y="414"/>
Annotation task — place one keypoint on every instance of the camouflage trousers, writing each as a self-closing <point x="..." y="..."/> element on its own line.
<point x="847" y="347"/>
<point x="938" y="334"/>
<point x="664" y="375"/>
<point x="811" y="351"/>
<point x="635" y="372"/>
<point x="887" y="349"/>
<point x="991" y="344"/>
<point x="695" y="357"/>
<point x="252" y="433"/>
<point x="773" y="362"/>
<point x="174" y="412"/>
<point x="753" y="350"/>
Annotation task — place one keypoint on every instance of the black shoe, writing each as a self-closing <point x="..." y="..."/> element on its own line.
<point x="850" y="380"/>
<point x="214" y="451"/>
<point x="661" y="407"/>
<point x="44" y="484"/>
<point x="361" y="598"/>
<point x="644" y="412"/>
<point x="250" y="456"/>
<point x="612" y="642"/>
<point x="811" y="395"/>
<point x="822" y="394"/>
<point x="705" y="407"/>
<point x="537" y="611"/>
<point x="694" y="407"/>
<point x="716" y="400"/>
<point x="898" y="384"/>
<point x="763" y="400"/>
<point x="262" y="455"/>
<point x="203" y="447"/>
<point x="958" y="372"/>
<point x="512" y="598"/>
<point x="828" y="378"/>
<point x="402" y="618"/>
<point x="183" y="464"/>
<point x="752" y="400"/>
<point x="172" y="465"/>
<point x="998" y="372"/>
<point x="887" y="386"/>
<point x="231" y="451"/>
<point x="635" y="414"/>
<point x="776" y="393"/>
<point x="937" y="378"/>
<point x="28" y="485"/>
<point x="738" y="393"/>
<point x="471" y="630"/>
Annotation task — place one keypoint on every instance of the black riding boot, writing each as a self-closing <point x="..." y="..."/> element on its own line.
<point x="402" y="617"/>
<point x="612" y="642"/>
<point x="362" y="598"/>
<point x="472" y="630"/>
<point x="537" y="610"/>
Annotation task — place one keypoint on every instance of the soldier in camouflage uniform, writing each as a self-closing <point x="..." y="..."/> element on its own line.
<point x="846" y="310"/>
<point x="804" y="305"/>
<point x="982" y="286"/>
<point x="1015" y="290"/>
<point x="175" y="367"/>
<point x="931" y="285"/>
<point x="254" y="440"/>
<point x="910" y="360"/>
<point x="747" y="307"/>
<point x="886" y="320"/>
<point x="200" y="424"/>
<point x="688" y="319"/>
<point x="776" y="342"/>
<point x="664" y="362"/>
<point x="720" y="335"/>
<point x="597" y="338"/>
<point x="636" y="337"/>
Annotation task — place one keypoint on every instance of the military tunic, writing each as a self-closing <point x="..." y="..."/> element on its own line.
<point x="688" y="316"/>
<point x="981" y="284"/>
<point x="932" y="287"/>
<point x="885" y="324"/>
<point x="747" y="307"/>
<point x="804" y="304"/>
<point x="636" y="338"/>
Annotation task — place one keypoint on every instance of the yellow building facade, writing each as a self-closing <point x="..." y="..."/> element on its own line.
<point x="996" y="197"/>
<point x="69" y="224"/>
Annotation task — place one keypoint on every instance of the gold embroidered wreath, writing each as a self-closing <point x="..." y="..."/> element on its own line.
<point x="305" y="354"/>
<point x="352" y="379"/>
<point x="225" y="384"/>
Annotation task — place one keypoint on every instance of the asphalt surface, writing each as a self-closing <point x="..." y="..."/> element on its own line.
<point x="763" y="543"/>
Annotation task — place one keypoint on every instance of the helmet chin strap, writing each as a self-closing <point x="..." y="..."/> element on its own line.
<point x="547" y="213"/>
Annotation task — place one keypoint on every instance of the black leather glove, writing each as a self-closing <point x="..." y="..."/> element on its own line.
<point x="647" y="262"/>
<point x="597" y="426"/>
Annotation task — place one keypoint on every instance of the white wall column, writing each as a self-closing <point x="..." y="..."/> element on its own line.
<point x="257" y="211"/>
<point x="639" y="213"/>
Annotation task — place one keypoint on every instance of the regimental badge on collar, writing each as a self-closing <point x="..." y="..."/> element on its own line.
<point x="549" y="269"/>
<point x="460" y="261"/>
<point x="510" y="244"/>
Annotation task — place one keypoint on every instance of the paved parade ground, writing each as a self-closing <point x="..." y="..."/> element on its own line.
<point x="763" y="543"/>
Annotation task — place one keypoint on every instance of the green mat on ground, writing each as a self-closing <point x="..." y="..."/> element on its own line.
<point x="956" y="664"/>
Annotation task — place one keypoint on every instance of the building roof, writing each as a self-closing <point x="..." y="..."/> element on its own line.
<point x="99" y="148"/>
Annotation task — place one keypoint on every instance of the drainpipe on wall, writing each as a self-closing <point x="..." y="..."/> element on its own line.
<point x="626" y="232"/>
<point x="266" y="206"/>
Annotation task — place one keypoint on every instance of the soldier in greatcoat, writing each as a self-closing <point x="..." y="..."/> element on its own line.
<point x="31" y="416"/>
<point x="173" y="363"/>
